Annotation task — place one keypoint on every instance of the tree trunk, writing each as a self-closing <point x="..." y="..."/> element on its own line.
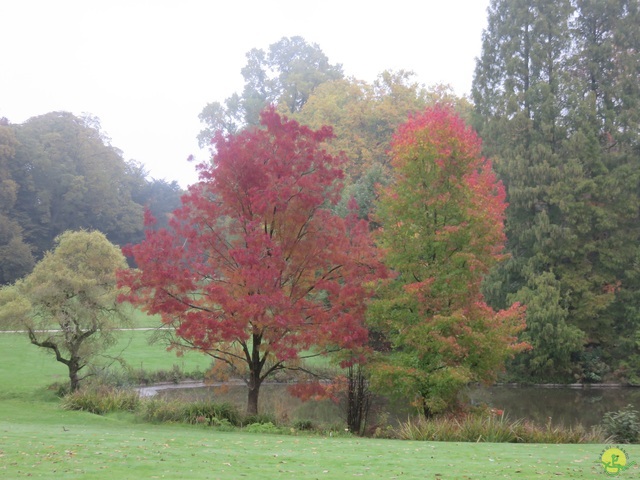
<point x="426" y="410"/>
<point x="358" y="399"/>
<point x="74" y="368"/>
<point x="255" y="369"/>
<point x="252" y="399"/>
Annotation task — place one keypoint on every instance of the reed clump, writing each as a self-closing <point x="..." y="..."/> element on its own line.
<point x="494" y="428"/>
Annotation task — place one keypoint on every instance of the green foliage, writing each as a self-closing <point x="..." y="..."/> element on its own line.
<point x="259" y="418"/>
<point x="556" y="98"/>
<point x="101" y="399"/>
<point x="70" y="177"/>
<point x="593" y="366"/>
<point x="161" y="411"/>
<point x="16" y="257"/>
<point x="441" y="232"/>
<point x="554" y="343"/>
<point x="215" y="414"/>
<point x="159" y="196"/>
<point x="285" y="76"/>
<point x="623" y="426"/>
<point x="262" y="428"/>
<point x="67" y="305"/>
<point x="629" y="369"/>
<point x="304" y="425"/>
<point x="60" y="172"/>
<point x="196" y="413"/>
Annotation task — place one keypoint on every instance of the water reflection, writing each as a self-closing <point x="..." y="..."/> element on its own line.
<point x="564" y="405"/>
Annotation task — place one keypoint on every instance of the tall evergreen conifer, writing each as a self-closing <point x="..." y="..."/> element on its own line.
<point x="556" y="93"/>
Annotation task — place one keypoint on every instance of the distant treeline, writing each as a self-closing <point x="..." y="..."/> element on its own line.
<point x="59" y="172"/>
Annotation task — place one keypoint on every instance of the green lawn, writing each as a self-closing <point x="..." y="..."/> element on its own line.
<point x="140" y="319"/>
<point x="25" y="368"/>
<point x="135" y="349"/>
<point x="39" y="439"/>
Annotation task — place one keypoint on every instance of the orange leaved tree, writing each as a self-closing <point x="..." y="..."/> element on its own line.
<point x="442" y="219"/>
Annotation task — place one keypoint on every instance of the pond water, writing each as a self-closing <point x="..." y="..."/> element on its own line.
<point x="563" y="405"/>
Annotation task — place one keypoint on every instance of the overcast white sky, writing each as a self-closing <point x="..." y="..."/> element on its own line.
<point x="146" y="68"/>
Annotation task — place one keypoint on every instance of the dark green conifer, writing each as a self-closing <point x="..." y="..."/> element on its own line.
<point x="556" y="91"/>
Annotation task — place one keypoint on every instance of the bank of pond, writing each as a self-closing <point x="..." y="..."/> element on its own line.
<point x="493" y="414"/>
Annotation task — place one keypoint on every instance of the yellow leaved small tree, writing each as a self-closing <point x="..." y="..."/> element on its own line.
<point x="67" y="304"/>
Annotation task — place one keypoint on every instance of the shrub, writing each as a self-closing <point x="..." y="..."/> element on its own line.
<point x="160" y="411"/>
<point x="203" y="412"/>
<point x="623" y="426"/>
<point x="303" y="425"/>
<point x="262" y="418"/>
<point x="211" y="412"/>
<point x="262" y="428"/>
<point x="101" y="399"/>
<point x="60" y="389"/>
<point x="224" y="424"/>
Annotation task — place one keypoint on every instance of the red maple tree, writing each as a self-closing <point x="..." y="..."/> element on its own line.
<point x="255" y="268"/>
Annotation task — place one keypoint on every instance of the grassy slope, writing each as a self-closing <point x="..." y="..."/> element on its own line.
<point x="39" y="439"/>
<point x="24" y="367"/>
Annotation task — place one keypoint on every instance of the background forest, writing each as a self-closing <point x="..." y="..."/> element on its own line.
<point x="555" y="100"/>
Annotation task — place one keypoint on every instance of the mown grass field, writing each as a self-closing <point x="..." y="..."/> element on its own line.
<point x="57" y="444"/>
<point x="39" y="439"/>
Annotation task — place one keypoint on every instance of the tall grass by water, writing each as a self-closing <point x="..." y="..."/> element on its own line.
<point x="487" y="427"/>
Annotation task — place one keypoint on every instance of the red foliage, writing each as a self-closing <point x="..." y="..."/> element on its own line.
<point x="317" y="390"/>
<point x="447" y="194"/>
<point x="255" y="257"/>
